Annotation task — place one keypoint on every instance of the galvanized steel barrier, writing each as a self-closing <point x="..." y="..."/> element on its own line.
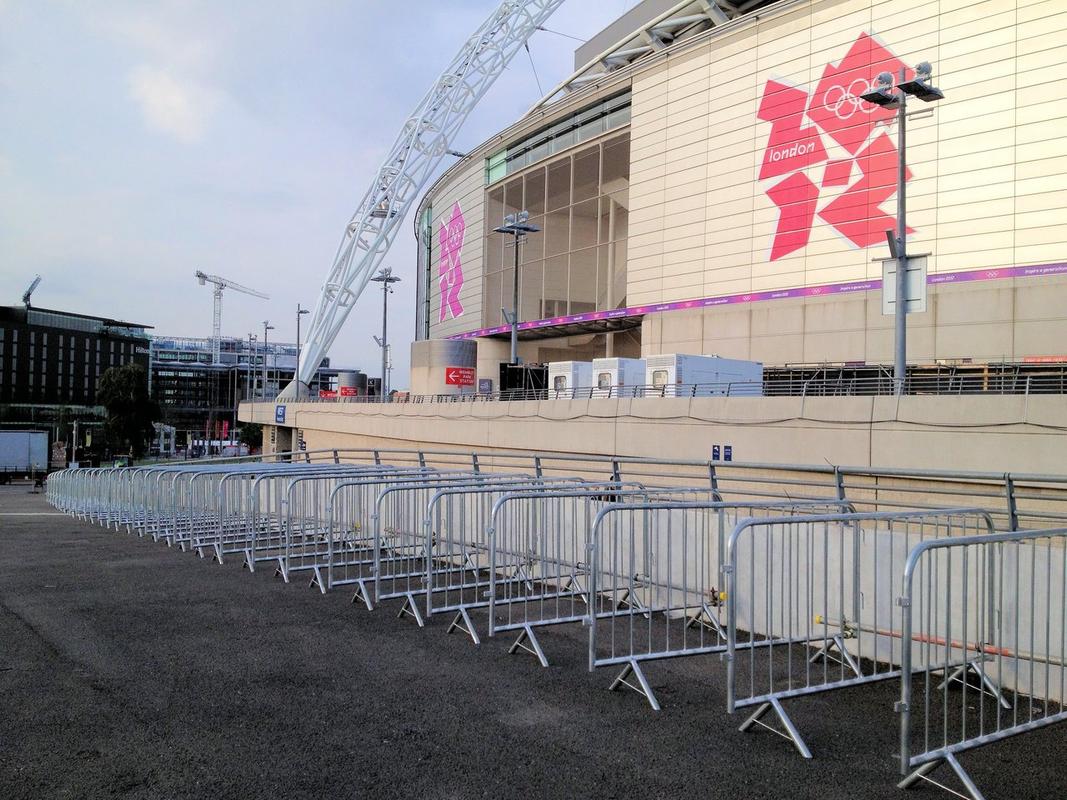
<point x="539" y="545"/>
<point x="659" y="565"/>
<point x="994" y="606"/>
<point x="810" y="598"/>
<point x="806" y="579"/>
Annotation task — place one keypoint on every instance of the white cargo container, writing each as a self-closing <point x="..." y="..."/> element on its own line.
<point x="566" y="376"/>
<point x="678" y="374"/>
<point x="612" y="376"/>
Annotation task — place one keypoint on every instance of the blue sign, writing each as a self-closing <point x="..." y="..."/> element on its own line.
<point x="279" y="414"/>
<point x="485" y="386"/>
<point x="727" y="452"/>
<point x="715" y="452"/>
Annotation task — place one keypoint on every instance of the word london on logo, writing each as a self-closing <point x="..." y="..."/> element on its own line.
<point x="799" y="149"/>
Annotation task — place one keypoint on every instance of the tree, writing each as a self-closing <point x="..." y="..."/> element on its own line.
<point x="251" y="434"/>
<point x="123" y="392"/>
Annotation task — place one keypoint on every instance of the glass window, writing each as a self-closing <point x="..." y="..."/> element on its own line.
<point x="535" y="192"/>
<point x="559" y="185"/>
<point x="582" y="291"/>
<point x="556" y="233"/>
<point x="531" y="290"/>
<point x="513" y="197"/>
<point x="586" y="174"/>
<point x="493" y="302"/>
<point x="496" y="166"/>
<point x="584" y="224"/>
<point x="555" y="296"/>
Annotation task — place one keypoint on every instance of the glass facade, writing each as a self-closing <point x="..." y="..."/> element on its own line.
<point x="577" y="263"/>
<point x="579" y="127"/>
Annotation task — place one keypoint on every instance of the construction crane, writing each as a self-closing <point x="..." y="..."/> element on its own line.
<point x="220" y="284"/>
<point x="29" y="292"/>
<point x="424" y="141"/>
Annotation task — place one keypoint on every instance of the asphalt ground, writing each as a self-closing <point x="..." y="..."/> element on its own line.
<point x="129" y="669"/>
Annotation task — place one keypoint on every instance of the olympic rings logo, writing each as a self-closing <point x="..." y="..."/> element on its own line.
<point x="845" y="103"/>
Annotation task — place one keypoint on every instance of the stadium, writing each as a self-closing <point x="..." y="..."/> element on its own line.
<point x="709" y="181"/>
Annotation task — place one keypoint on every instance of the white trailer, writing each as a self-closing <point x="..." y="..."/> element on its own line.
<point x="613" y="376"/>
<point x="566" y="376"/>
<point x="22" y="454"/>
<point x="681" y="375"/>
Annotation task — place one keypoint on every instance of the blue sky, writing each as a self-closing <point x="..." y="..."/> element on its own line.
<point x="140" y="142"/>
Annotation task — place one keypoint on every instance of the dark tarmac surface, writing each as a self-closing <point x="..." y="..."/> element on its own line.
<point x="128" y="669"/>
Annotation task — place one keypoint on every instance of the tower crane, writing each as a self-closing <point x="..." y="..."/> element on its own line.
<point x="29" y="292"/>
<point x="220" y="284"/>
<point x="425" y="139"/>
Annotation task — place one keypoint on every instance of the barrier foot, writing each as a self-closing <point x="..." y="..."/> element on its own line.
<point x="534" y="646"/>
<point x="218" y="552"/>
<point x="846" y="658"/>
<point x="280" y="570"/>
<point x="250" y="561"/>
<point x="642" y="688"/>
<point x="791" y="733"/>
<point x="923" y="774"/>
<point x="362" y="595"/>
<point x="463" y="622"/>
<point x="708" y="619"/>
<point x="411" y="609"/>
<point x="988" y="687"/>
<point x="630" y="601"/>
<point x="316" y="580"/>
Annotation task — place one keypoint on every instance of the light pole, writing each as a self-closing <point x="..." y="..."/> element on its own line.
<point x="518" y="226"/>
<point x="266" y="327"/>
<point x="882" y="94"/>
<point x="385" y="277"/>
<point x="299" y="313"/>
<point x="251" y="371"/>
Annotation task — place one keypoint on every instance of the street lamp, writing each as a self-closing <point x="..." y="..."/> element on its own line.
<point x="251" y="372"/>
<point x="882" y="94"/>
<point x="299" y="313"/>
<point x="266" y="327"/>
<point x="518" y="226"/>
<point x="385" y="277"/>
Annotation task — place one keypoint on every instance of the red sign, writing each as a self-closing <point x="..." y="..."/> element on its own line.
<point x="349" y="391"/>
<point x="459" y="376"/>
<point x="1044" y="359"/>
<point x="327" y="394"/>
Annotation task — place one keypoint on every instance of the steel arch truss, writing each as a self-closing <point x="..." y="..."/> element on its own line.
<point x="424" y="141"/>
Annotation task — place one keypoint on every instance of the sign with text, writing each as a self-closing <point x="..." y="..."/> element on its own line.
<point x="279" y="415"/>
<point x="485" y="386"/>
<point x="349" y="391"/>
<point x="327" y="394"/>
<point x="459" y="376"/>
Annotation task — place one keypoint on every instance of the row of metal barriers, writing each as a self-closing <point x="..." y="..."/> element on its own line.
<point x="797" y="597"/>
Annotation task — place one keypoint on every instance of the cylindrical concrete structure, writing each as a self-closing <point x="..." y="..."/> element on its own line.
<point x="444" y="366"/>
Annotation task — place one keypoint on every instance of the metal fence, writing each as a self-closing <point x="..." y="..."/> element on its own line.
<point x="810" y="599"/>
<point x="654" y="581"/>
<point x="994" y="607"/>
<point x="805" y="579"/>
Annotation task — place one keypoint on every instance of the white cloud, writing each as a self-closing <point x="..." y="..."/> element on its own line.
<point x="175" y="106"/>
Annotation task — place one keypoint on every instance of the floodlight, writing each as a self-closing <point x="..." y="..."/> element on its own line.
<point x="881" y="94"/>
<point x="920" y="86"/>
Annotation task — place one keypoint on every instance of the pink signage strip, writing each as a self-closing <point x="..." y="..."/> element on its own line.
<point x="999" y="273"/>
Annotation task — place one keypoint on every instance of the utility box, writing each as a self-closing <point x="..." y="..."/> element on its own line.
<point x="680" y="375"/>
<point x="566" y="376"/>
<point x="613" y="376"/>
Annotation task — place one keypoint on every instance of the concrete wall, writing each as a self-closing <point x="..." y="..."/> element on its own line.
<point x="985" y="433"/>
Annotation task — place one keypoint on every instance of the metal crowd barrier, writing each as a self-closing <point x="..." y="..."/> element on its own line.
<point x="409" y="551"/>
<point x="995" y="606"/>
<point x="539" y="546"/>
<point x="776" y="571"/>
<point x="659" y="563"/>
<point x="809" y="599"/>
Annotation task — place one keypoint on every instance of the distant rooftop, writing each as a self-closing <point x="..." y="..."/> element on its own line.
<point x="71" y="320"/>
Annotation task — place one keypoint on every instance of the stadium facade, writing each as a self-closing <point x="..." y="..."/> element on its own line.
<point x="708" y="181"/>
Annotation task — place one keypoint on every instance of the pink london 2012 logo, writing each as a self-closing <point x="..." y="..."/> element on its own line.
<point x="449" y="267"/>
<point x="832" y="136"/>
